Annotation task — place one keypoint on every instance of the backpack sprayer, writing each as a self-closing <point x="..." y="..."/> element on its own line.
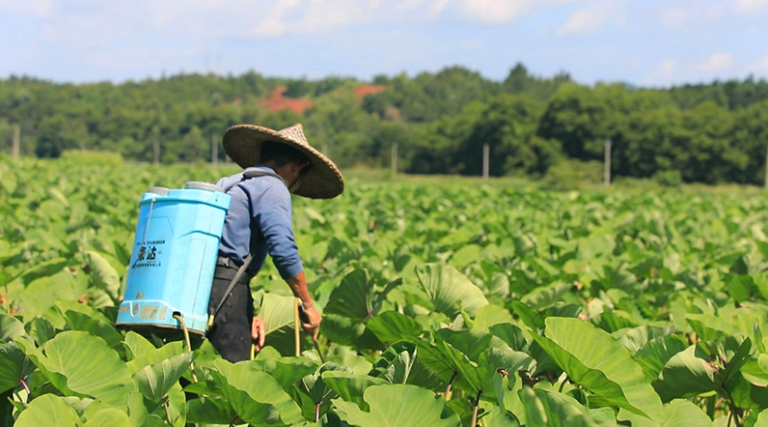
<point x="173" y="259"/>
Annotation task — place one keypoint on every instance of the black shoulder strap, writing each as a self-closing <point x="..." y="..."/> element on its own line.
<point x="231" y="286"/>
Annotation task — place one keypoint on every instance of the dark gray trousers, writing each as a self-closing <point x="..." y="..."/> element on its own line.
<point x="231" y="330"/>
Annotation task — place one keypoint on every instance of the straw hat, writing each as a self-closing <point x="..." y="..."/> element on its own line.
<point x="243" y="144"/>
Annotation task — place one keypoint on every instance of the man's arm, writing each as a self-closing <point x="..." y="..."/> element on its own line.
<point x="276" y="227"/>
<point x="298" y="285"/>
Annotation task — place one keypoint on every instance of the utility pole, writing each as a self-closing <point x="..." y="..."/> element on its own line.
<point x="486" y="161"/>
<point x="393" y="162"/>
<point x="16" y="142"/>
<point x="607" y="164"/>
<point x="214" y="151"/>
<point x="157" y="149"/>
<point x="766" y="169"/>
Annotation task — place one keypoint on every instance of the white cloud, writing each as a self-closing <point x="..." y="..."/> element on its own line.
<point x="203" y="19"/>
<point x="592" y="18"/>
<point x="688" y="15"/>
<point x="496" y="11"/>
<point x="718" y="61"/>
<point x="751" y="5"/>
<point x="664" y="73"/>
<point x="472" y="44"/>
<point x="88" y="21"/>
<point x="406" y="5"/>
<point x="35" y="8"/>
<point x="716" y="65"/>
<point x="759" y="67"/>
<point x="503" y="11"/>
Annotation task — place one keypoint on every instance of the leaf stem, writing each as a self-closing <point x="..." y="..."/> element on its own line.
<point x="317" y="412"/>
<point x="733" y="413"/>
<point x="474" y="409"/>
<point x="319" y="351"/>
<point x="167" y="412"/>
<point x="26" y="387"/>
<point x="711" y="403"/>
<point x="448" y="387"/>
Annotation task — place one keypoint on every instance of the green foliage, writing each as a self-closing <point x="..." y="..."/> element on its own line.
<point x="711" y="133"/>
<point x="567" y="175"/>
<point x="670" y="178"/>
<point x="92" y="157"/>
<point x="534" y="308"/>
<point x="398" y="405"/>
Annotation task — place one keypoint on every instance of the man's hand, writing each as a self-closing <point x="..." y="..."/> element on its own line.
<point x="257" y="333"/>
<point x="313" y="327"/>
<point x="298" y="285"/>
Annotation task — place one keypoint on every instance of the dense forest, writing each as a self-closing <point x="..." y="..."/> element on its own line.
<point x="709" y="133"/>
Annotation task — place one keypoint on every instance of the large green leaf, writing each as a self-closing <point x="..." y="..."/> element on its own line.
<point x="677" y="413"/>
<point x="508" y="397"/>
<point x="709" y="327"/>
<point x="636" y="338"/>
<point x="154" y="381"/>
<point x="580" y="349"/>
<point x="392" y="326"/>
<point x="348" y="331"/>
<point x="493" y="416"/>
<point x="108" y="417"/>
<point x="40" y="329"/>
<point x="145" y="356"/>
<point x="277" y="313"/>
<point x="399" y="364"/>
<point x="80" y="317"/>
<point x="657" y="352"/>
<point x="476" y="356"/>
<point x="10" y="328"/>
<point x="355" y="297"/>
<point x="40" y="295"/>
<point x="211" y="410"/>
<point x="173" y="407"/>
<point x="546" y="296"/>
<point x="48" y="410"/>
<point x="762" y="419"/>
<point x="449" y="290"/>
<point x="510" y="334"/>
<point x="14" y="366"/>
<point x="491" y="315"/>
<point x="136" y="345"/>
<point x="703" y="367"/>
<point x="80" y="364"/>
<point x="103" y="274"/>
<point x="349" y="387"/>
<point x="287" y="371"/>
<point x="398" y="405"/>
<point x="314" y="395"/>
<point x="255" y="396"/>
<point x="558" y="410"/>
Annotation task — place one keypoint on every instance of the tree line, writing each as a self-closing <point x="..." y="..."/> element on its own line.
<point x="711" y="133"/>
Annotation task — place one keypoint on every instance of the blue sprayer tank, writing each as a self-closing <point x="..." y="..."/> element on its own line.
<point x="173" y="258"/>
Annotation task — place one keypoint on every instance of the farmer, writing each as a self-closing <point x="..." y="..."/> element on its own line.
<point x="276" y="164"/>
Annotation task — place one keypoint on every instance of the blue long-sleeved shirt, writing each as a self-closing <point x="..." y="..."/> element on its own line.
<point x="260" y="220"/>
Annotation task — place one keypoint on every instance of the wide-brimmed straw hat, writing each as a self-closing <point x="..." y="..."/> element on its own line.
<point x="243" y="145"/>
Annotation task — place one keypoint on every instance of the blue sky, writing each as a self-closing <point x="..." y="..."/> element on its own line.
<point x="646" y="43"/>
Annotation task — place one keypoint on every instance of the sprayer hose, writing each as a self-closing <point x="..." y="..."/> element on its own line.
<point x="189" y="344"/>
